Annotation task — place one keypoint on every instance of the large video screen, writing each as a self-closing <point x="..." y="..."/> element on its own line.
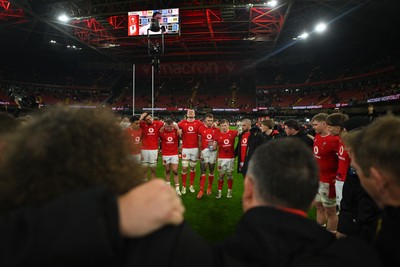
<point x="139" y="22"/>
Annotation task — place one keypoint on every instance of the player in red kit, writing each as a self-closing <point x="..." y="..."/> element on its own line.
<point x="150" y="130"/>
<point x="226" y="156"/>
<point x="190" y="148"/>
<point x="335" y="123"/>
<point x="208" y="152"/>
<point x="135" y="135"/>
<point x="325" y="152"/>
<point x="169" y="137"/>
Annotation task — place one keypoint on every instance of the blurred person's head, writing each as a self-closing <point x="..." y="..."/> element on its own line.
<point x="246" y="125"/>
<point x="319" y="123"/>
<point x="267" y="125"/>
<point x="190" y="114"/>
<point x="149" y="119"/>
<point x="125" y="123"/>
<point x="355" y="123"/>
<point x="135" y="122"/>
<point x="335" y="123"/>
<point x="224" y="124"/>
<point x="292" y="127"/>
<point x="209" y="120"/>
<point x="157" y="15"/>
<point x="66" y="150"/>
<point x="267" y="185"/>
<point x="169" y="125"/>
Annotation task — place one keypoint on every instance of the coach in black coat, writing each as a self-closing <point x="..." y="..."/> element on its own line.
<point x="255" y="140"/>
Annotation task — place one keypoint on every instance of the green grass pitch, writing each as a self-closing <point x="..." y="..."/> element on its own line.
<point x="212" y="218"/>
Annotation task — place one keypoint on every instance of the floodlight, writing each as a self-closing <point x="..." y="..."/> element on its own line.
<point x="63" y="18"/>
<point x="304" y="35"/>
<point x="320" y="27"/>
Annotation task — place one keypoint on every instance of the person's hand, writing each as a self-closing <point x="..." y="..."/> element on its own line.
<point x="148" y="207"/>
<point x="142" y="116"/>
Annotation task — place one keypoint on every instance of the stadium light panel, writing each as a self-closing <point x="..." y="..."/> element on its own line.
<point x="272" y="3"/>
<point x="321" y="27"/>
<point x="63" y="18"/>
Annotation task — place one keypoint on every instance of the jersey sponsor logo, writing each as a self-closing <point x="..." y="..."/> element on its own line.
<point x="341" y="150"/>
<point x="226" y="141"/>
<point x="244" y="141"/>
<point x="137" y="139"/>
<point x="151" y="130"/>
<point x="190" y="128"/>
<point x="169" y="139"/>
<point x="316" y="150"/>
<point x="209" y="136"/>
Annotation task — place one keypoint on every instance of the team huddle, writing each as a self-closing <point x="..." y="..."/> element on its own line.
<point x="214" y="145"/>
<point x="202" y="140"/>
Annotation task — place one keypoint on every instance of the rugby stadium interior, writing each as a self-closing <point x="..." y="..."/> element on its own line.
<point x="224" y="56"/>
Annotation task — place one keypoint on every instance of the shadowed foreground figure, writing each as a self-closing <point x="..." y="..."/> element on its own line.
<point x="76" y="163"/>
<point x="64" y="150"/>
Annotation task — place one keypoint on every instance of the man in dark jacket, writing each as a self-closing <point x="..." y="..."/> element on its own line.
<point x="293" y="129"/>
<point x="249" y="140"/>
<point x="268" y="130"/>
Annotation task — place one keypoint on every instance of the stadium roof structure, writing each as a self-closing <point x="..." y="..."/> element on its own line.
<point x="210" y="29"/>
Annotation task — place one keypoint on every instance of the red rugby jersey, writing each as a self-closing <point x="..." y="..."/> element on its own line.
<point x="226" y="144"/>
<point x="135" y="136"/>
<point x="325" y="151"/>
<point x="169" y="142"/>
<point x="190" y="137"/>
<point x="150" y="134"/>
<point x="207" y="135"/>
<point x="344" y="162"/>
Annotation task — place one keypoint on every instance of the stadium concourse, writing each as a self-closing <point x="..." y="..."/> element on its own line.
<point x="196" y="87"/>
